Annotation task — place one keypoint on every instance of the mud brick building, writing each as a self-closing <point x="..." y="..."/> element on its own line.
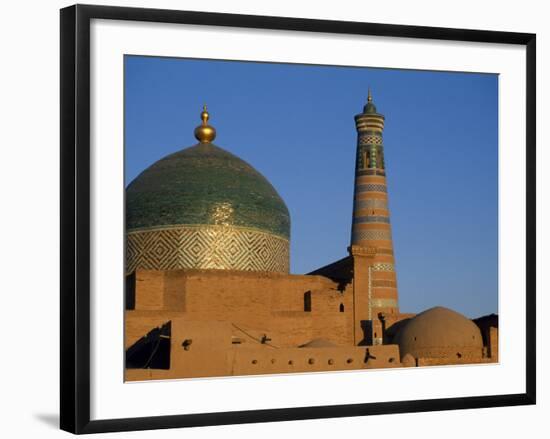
<point x="208" y="289"/>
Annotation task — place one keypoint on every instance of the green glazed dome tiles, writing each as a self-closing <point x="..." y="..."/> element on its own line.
<point x="205" y="185"/>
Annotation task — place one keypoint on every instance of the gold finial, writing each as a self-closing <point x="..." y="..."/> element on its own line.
<point x="369" y="99"/>
<point x="205" y="133"/>
<point x="204" y="115"/>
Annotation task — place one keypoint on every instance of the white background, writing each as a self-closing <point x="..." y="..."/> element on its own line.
<point x="30" y="204"/>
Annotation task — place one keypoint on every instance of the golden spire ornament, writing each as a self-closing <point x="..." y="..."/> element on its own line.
<point x="205" y="133"/>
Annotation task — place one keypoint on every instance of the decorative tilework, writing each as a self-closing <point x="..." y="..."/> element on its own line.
<point x="369" y="156"/>
<point x="382" y="266"/>
<point x="369" y="123"/>
<point x="370" y="139"/>
<point x="370" y="187"/>
<point x="371" y="219"/>
<point x="371" y="235"/>
<point x="369" y="209"/>
<point x="362" y="251"/>
<point x="371" y="204"/>
<point x="205" y="184"/>
<point x="210" y="247"/>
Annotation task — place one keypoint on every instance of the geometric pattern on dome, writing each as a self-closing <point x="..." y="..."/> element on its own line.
<point x="206" y="247"/>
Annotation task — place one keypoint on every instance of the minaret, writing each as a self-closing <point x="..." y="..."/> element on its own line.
<point x="375" y="285"/>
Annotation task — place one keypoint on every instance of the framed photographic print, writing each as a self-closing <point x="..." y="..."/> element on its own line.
<point x="275" y="218"/>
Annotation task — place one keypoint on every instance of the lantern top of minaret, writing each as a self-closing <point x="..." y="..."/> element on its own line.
<point x="370" y="108"/>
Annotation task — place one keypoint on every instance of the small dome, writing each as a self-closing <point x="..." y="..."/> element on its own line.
<point x="370" y="108"/>
<point x="439" y="332"/>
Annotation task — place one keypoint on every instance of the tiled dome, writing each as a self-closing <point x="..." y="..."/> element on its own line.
<point x="205" y="208"/>
<point x="205" y="184"/>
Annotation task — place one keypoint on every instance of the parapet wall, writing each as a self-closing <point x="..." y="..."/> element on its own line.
<point x="202" y="349"/>
<point x="288" y="309"/>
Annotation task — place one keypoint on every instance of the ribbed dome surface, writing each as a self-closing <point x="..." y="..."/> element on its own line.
<point x="205" y="185"/>
<point x="435" y="331"/>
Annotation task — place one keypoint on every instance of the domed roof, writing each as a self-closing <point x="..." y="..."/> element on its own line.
<point x="437" y="330"/>
<point x="369" y="108"/>
<point x="204" y="208"/>
<point x="205" y="185"/>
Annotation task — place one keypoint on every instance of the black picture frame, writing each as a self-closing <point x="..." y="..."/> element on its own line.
<point x="75" y="217"/>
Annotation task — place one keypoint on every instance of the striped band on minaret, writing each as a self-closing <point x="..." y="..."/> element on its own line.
<point x="371" y="228"/>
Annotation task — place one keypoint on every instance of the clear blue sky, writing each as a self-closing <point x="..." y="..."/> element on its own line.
<point x="294" y="124"/>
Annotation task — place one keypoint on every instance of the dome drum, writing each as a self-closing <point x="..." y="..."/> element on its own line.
<point x="206" y="247"/>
